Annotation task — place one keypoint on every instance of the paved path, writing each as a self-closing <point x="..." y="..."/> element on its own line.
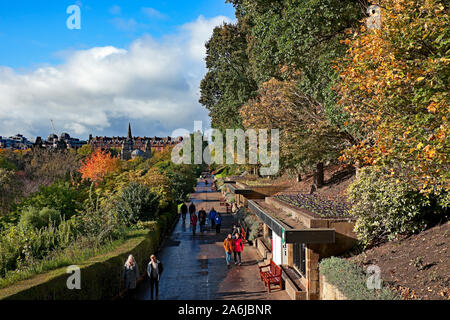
<point x="195" y="267"/>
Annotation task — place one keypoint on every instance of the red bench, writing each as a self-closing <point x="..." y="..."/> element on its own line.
<point x="272" y="276"/>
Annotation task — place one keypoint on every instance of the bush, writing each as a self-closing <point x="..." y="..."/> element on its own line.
<point x="39" y="218"/>
<point x="351" y="280"/>
<point x="101" y="275"/>
<point x="136" y="202"/>
<point x="386" y="207"/>
<point x="21" y="246"/>
<point x="61" y="196"/>
<point x="251" y="222"/>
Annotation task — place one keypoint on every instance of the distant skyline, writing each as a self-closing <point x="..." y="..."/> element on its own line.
<point x="138" y="61"/>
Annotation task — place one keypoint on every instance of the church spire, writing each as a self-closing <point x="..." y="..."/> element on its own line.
<point x="129" y="131"/>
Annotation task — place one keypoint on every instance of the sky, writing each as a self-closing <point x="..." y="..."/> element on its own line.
<point x="131" y="61"/>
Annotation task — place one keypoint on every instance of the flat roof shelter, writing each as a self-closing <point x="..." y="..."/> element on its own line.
<point x="294" y="238"/>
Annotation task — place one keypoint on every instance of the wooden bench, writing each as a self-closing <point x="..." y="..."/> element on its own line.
<point x="272" y="276"/>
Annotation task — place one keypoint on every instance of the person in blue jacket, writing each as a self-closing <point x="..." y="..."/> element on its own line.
<point x="212" y="217"/>
<point x="218" y="221"/>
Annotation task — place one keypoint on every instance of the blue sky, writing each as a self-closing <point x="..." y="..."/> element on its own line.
<point x="39" y="56"/>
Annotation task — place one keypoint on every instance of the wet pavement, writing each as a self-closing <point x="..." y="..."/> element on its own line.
<point x="195" y="267"/>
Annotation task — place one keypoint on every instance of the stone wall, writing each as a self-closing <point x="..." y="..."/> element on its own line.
<point x="329" y="291"/>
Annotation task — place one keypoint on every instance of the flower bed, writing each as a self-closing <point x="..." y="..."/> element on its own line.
<point x="322" y="207"/>
<point x="256" y="183"/>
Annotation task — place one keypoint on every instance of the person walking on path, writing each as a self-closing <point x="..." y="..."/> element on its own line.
<point x="218" y="221"/>
<point x="130" y="276"/>
<point x="202" y="219"/>
<point x="184" y="210"/>
<point x="192" y="208"/>
<point x="212" y="216"/>
<point x="193" y="223"/>
<point x="238" y="248"/>
<point x="236" y="230"/>
<point x="154" y="272"/>
<point x="228" y="244"/>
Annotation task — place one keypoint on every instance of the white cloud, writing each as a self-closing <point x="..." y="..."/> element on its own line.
<point x="153" y="13"/>
<point x="153" y="82"/>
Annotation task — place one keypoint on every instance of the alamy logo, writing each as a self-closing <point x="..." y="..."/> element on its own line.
<point x="74" y="280"/>
<point x="374" y="280"/>
<point x="74" y="20"/>
<point x="241" y="147"/>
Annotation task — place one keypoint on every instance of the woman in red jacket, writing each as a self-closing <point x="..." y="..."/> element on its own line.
<point x="193" y="223"/>
<point x="238" y="248"/>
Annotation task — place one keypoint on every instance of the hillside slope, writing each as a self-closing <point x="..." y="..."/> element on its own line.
<point x="417" y="267"/>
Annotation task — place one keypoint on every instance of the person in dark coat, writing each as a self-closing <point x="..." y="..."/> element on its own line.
<point x="154" y="272"/>
<point x="192" y="208"/>
<point x="130" y="276"/>
<point x="184" y="210"/>
<point x="236" y="230"/>
<point x="202" y="219"/>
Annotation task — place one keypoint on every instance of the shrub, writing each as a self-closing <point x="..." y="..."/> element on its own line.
<point x="351" y="280"/>
<point x="21" y="246"/>
<point x="136" y="202"/>
<point x="252" y="223"/>
<point x="386" y="207"/>
<point x="102" y="274"/>
<point x="39" y="218"/>
<point x="61" y="196"/>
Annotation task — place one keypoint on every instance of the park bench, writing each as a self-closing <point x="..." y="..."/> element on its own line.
<point x="271" y="276"/>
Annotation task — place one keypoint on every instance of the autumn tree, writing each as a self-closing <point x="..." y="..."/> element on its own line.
<point x="99" y="164"/>
<point x="395" y="84"/>
<point x="306" y="136"/>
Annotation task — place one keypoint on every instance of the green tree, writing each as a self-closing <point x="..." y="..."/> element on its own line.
<point x="227" y="84"/>
<point x="137" y="203"/>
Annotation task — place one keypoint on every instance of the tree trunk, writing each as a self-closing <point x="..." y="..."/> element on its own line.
<point x="319" y="175"/>
<point x="299" y="177"/>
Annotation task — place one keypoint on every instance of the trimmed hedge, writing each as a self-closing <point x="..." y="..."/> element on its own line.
<point x="100" y="276"/>
<point x="351" y="279"/>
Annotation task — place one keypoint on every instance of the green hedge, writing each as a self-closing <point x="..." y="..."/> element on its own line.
<point x="351" y="279"/>
<point x="100" y="276"/>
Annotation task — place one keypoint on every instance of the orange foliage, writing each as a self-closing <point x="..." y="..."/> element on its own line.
<point x="97" y="165"/>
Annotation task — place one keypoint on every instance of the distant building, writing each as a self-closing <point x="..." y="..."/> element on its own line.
<point x="17" y="142"/>
<point x="132" y="147"/>
<point x="65" y="141"/>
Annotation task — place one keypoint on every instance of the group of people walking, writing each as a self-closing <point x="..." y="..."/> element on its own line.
<point x="234" y="245"/>
<point x="130" y="276"/>
<point x="213" y="216"/>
